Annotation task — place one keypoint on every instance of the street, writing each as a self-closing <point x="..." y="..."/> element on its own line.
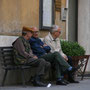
<point x="83" y="85"/>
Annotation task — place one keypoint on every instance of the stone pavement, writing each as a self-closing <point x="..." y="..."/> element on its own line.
<point x="83" y="85"/>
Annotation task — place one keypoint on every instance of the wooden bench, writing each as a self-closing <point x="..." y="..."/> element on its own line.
<point x="83" y="61"/>
<point x="7" y="62"/>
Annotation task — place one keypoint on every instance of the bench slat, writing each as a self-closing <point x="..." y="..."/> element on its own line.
<point x="7" y="58"/>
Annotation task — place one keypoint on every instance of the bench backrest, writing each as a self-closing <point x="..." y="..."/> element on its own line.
<point x="6" y="55"/>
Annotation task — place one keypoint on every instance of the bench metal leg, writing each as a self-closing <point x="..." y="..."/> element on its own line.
<point x="23" y="77"/>
<point x="4" y="78"/>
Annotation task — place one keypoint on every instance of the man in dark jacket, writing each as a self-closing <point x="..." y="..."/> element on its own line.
<point x="38" y="47"/>
<point x="40" y="50"/>
<point x="24" y="55"/>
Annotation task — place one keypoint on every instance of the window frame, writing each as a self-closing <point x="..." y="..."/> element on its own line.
<point x="41" y="27"/>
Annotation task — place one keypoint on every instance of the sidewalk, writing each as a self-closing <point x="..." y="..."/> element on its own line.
<point x="83" y="85"/>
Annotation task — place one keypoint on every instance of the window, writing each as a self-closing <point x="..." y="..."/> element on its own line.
<point x="46" y="14"/>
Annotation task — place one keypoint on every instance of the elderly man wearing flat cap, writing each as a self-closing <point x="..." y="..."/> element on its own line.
<point x="24" y="55"/>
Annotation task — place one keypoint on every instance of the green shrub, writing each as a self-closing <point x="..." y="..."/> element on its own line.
<point x="72" y="48"/>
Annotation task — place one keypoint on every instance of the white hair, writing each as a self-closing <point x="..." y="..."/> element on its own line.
<point x="54" y="28"/>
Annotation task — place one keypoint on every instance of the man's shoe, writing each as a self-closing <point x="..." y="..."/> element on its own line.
<point x="60" y="82"/>
<point x="73" y="81"/>
<point x="36" y="82"/>
<point x="73" y="70"/>
<point x="76" y="68"/>
<point x="67" y="82"/>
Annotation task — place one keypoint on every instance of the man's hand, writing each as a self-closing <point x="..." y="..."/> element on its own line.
<point x="65" y="57"/>
<point x="35" y="57"/>
<point x="45" y="45"/>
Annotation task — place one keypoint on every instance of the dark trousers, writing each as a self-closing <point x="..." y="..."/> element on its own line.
<point x="42" y="65"/>
<point x="58" y="61"/>
<point x="70" y="76"/>
<point x="70" y="61"/>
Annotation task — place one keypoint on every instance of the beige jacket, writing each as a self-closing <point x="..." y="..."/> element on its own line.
<point x="54" y="44"/>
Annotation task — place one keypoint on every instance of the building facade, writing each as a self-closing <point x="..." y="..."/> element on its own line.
<point x="14" y="14"/>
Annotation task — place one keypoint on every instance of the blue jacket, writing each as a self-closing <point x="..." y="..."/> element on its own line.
<point x="37" y="47"/>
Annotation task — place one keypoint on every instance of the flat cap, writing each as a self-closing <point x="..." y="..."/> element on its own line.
<point x="27" y="29"/>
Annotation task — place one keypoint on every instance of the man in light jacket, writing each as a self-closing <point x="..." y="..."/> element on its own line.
<point x="52" y="40"/>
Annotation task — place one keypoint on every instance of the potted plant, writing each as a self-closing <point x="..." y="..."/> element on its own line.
<point x="77" y="52"/>
<point x="72" y="48"/>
